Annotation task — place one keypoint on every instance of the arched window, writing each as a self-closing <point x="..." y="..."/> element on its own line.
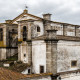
<point x="24" y="33"/>
<point x="38" y="29"/>
<point x="1" y="34"/>
<point x="13" y="30"/>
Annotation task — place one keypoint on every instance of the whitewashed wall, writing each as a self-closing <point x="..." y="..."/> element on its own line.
<point x="22" y="49"/>
<point x="3" y="55"/>
<point x="40" y="24"/>
<point x="58" y="27"/>
<point x="70" y="30"/>
<point x="38" y="55"/>
<point x="67" y="51"/>
<point x="78" y="31"/>
<point x="26" y="71"/>
<point x="71" y="76"/>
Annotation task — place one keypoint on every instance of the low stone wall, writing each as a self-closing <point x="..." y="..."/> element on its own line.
<point x="68" y="38"/>
<point x="70" y="76"/>
<point x="38" y="78"/>
<point x="2" y="53"/>
<point x="11" y="51"/>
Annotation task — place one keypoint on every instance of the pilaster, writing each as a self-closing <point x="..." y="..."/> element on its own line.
<point x="51" y="51"/>
<point x="29" y="52"/>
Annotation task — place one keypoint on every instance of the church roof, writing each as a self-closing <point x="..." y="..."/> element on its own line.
<point x="19" y="67"/>
<point x="6" y="74"/>
<point x="25" y="12"/>
<point x="59" y="37"/>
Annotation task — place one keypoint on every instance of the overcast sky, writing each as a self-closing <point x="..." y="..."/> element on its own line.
<point x="62" y="10"/>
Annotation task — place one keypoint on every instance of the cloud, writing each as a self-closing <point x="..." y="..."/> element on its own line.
<point x="63" y="10"/>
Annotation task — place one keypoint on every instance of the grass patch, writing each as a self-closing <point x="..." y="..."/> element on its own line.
<point x="13" y="58"/>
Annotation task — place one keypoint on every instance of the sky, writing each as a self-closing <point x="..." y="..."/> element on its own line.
<point x="67" y="11"/>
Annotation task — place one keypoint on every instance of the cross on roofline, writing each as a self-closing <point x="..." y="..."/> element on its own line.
<point x="26" y="7"/>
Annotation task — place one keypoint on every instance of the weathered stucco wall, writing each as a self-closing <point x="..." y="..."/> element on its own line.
<point x="3" y="42"/>
<point x="67" y="51"/>
<point x="67" y="30"/>
<point x="23" y="52"/>
<point x="2" y="53"/>
<point x="70" y="76"/>
<point x="10" y="52"/>
<point x="58" y="27"/>
<point x="38" y="55"/>
<point x="40" y="24"/>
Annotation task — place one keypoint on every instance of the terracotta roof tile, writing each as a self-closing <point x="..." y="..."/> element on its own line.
<point x="6" y="74"/>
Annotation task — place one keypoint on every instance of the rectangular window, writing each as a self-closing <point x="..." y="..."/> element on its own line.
<point x="41" y="69"/>
<point x="73" y="63"/>
<point x="38" y="29"/>
<point x="24" y="55"/>
<point x="24" y="33"/>
<point x="29" y="71"/>
<point x="24" y="39"/>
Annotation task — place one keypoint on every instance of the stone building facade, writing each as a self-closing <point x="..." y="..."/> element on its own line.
<point x="47" y="46"/>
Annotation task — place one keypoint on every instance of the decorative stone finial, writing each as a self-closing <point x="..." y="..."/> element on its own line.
<point x="8" y="21"/>
<point x="26" y="9"/>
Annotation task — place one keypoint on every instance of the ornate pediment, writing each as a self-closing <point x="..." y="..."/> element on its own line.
<point x="25" y="16"/>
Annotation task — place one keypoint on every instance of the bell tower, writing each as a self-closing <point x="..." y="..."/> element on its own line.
<point x="24" y="40"/>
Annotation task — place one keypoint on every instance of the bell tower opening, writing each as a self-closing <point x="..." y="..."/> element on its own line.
<point x="24" y="33"/>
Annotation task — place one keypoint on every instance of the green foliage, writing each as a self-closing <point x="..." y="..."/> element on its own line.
<point x="13" y="58"/>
